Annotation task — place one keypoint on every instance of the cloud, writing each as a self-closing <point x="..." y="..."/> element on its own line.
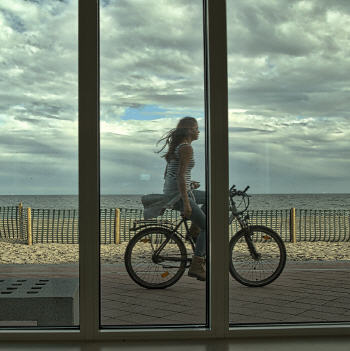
<point x="289" y="58"/>
<point x="151" y="52"/>
<point x="288" y="93"/>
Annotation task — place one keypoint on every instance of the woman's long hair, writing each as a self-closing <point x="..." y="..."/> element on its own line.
<point x="175" y="136"/>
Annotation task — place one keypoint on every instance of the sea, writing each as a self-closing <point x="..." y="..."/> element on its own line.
<point x="257" y="201"/>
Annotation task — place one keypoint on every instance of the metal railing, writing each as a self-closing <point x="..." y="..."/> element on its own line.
<point x="278" y="220"/>
<point x="61" y="225"/>
<point x="323" y="225"/>
<point x="11" y="223"/>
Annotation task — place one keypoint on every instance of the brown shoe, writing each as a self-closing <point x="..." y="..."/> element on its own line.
<point x="197" y="268"/>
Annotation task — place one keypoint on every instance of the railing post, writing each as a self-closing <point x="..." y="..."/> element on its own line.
<point x="20" y="214"/>
<point x="29" y="226"/>
<point x="117" y="226"/>
<point x="292" y="230"/>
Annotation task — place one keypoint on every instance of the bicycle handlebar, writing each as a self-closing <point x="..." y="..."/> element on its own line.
<point x="234" y="192"/>
<point x="232" y="187"/>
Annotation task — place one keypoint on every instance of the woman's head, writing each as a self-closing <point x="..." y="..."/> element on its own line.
<point x="185" y="131"/>
<point x="188" y="128"/>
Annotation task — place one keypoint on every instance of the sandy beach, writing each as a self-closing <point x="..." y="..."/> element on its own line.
<point x="12" y="252"/>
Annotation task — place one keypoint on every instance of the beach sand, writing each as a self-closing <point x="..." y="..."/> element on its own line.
<point x="14" y="252"/>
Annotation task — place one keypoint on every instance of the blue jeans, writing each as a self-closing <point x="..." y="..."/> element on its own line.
<point x="198" y="217"/>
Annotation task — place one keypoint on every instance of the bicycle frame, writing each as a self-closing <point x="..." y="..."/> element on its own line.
<point x="173" y="231"/>
<point x="235" y="214"/>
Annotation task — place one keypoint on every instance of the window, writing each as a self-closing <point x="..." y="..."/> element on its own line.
<point x="288" y="131"/>
<point x="39" y="236"/>
<point x="89" y="193"/>
<point x="152" y="75"/>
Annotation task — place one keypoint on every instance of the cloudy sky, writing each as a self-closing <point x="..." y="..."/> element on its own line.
<point x="289" y="90"/>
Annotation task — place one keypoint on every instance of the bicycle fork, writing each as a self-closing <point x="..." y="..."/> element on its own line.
<point x="247" y="236"/>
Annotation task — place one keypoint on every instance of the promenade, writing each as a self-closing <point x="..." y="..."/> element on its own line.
<point x="305" y="292"/>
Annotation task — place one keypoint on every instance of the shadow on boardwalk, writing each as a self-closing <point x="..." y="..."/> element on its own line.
<point x="305" y="292"/>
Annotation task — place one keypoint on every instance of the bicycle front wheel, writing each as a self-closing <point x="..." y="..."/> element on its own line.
<point x="258" y="256"/>
<point x="155" y="258"/>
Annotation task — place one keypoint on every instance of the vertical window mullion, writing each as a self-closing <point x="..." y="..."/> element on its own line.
<point x="89" y="173"/>
<point x="216" y="53"/>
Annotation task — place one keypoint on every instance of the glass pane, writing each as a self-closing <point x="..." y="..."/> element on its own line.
<point x="289" y="132"/>
<point x="152" y="75"/>
<point x="39" y="169"/>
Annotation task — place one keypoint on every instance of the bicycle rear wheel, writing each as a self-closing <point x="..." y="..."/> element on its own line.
<point x="259" y="268"/>
<point x="152" y="269"/>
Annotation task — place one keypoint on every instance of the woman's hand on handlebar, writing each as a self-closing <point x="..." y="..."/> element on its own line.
<point x="195" y="185"/>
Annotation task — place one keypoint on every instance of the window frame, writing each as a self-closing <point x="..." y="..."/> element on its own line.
<point x="89" y="197"/>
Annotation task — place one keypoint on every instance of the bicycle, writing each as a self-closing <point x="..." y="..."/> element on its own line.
<point x="156" y="257"/>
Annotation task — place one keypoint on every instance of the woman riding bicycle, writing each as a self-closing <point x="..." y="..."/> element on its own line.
<point x="156" y="256"/>
<point x="179" y="188"/>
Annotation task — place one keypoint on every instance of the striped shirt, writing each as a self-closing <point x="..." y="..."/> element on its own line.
<point x="172" y="171"/>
